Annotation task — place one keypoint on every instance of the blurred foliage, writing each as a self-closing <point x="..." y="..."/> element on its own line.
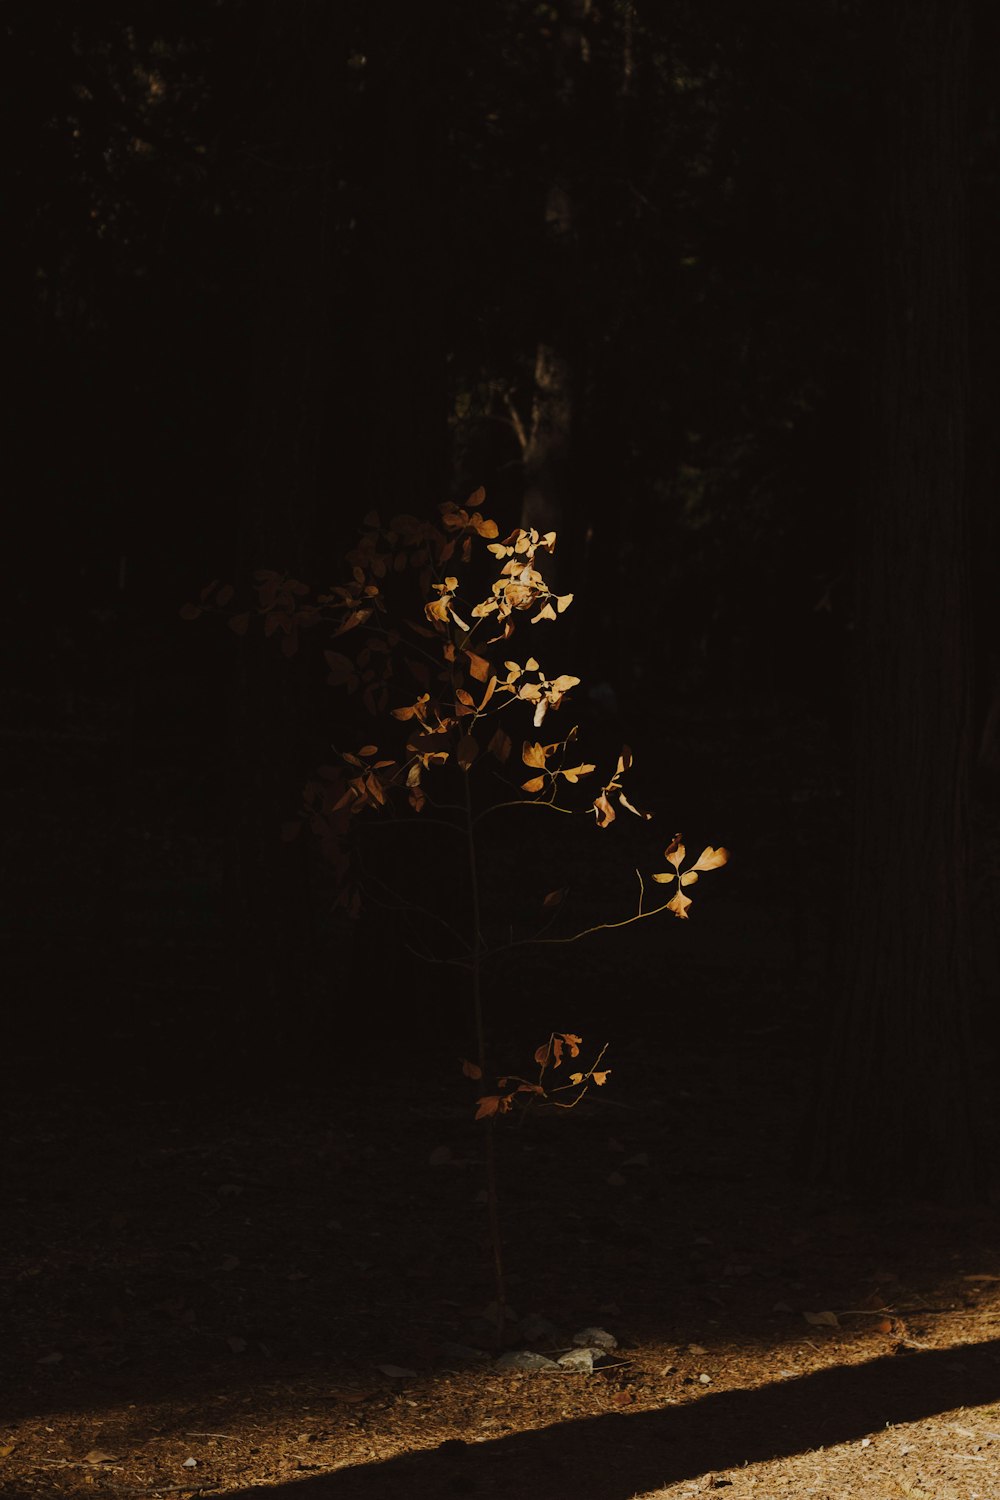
<point x="711" y="292"/>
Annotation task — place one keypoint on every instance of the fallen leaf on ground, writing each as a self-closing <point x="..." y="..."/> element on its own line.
<point x="396" y="1372"/>
<point x="822" y="1319"/>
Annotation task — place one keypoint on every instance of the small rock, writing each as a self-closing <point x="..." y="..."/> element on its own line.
<point x="396" y="1372"/>
<point x="190" y="1463"/>
<point x="600" y="1337"/>
<point x="524" y="1359"/>
<point x="581" y="1360"/>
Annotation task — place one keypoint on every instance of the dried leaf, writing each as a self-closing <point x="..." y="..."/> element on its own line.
<point x="679" y="905"/>
<point x="500" y="745"/>
<point x="675" y="854"/>
<point x="665" y="878"/>
<point x="534" y="785"/>
<point x="822" y="1319"/>
<point x="573" y="773"/>
<point x="478" y="665"/>
<point x="488" y="1106"/>
<point x="471" y="1069"/>
<point x="600" y="1078"/>
<point x="689" y="877"/>
<point x="605" y="812"/>
<point x="711" y="859"/>
<point x="576" y="1078"/>
<point x="555" y="897"/>
<point x="466" y="751"/>
<point x="99" y="1456"/>
<point x="533" y="755"/>
<point x="397" y="1372"/>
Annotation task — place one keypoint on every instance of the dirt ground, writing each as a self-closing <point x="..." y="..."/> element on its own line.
<point x="292" y="1299"/>
<point x="224" y="1282"/>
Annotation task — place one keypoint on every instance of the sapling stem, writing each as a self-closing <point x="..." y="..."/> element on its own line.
<point x="492" y="1200"/>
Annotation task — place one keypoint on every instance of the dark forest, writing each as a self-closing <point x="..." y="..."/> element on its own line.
<point x="426" y="423"/>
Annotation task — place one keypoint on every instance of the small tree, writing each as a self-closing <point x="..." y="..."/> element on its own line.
<point x="438" y="676"/>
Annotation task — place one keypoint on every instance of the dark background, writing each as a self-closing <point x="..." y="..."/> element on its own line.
<point x="274" y="265"/>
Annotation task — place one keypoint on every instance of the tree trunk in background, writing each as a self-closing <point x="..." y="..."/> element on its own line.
<point x="897" y="1110"/>
<point x="286" y="471"/>
<point x="548" y="450"/>
<point x="403" y="362"/>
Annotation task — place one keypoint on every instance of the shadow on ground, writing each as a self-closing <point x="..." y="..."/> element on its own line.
<point x="616" y="1456"/>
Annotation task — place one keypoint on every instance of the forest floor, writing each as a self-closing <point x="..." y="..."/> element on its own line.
<point x="293" y="1299"/>
<point x="230" y="1282"/>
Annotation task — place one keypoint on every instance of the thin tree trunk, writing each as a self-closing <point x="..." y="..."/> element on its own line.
<point x="897" y="1110"/>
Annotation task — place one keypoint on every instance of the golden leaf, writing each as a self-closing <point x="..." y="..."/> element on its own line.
<point x="605" y="812"/>
<point x="711" y="859"/>
<point x="639" y="812"/>
<point x="675" y="854"/>
<point x="599" y="1078"/>
<point x="476" y="499"/>
<point x="533" y="755"/>
<point x="563" y="602"/>
<point x="680" y="904"/>
<point x="487" y="1106"/>
<point x="534" y="785"/>
<point x="478" y="665"/>
<point x="689" y="877"/>
<point x="573" y="773"/>
<point x="564" y="683"/>
<point x="624" y="761"/>
<point x="491" y="687"/>
<point x="665" y="878"/>
<point x="576" y="1078"/>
